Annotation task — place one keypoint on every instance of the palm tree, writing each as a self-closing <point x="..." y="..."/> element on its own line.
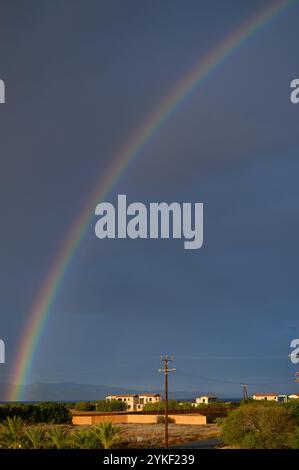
<point x="58" y="437"/>
<point x="84" y="439"/>
<point x="107" y="433"/>
<point x="12" y="433"/>
<point x="36" y="436"/>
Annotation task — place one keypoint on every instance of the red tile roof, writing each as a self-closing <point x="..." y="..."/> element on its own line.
<point x="135" y="395"/>
<point x="265" y="394"/>
<point x="148" y="394"/>
<point x="131" y="395"/>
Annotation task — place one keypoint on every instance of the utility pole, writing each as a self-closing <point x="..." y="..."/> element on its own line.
<point x="166" y="370"/>
<point x="245" y="392"/>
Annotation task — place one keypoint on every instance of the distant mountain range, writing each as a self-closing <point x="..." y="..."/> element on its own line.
<point x="76" y="392"/>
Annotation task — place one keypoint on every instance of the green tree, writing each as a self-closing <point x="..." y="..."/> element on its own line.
<point x="54" y="413"/>
<point x="46" y="412"/>
<point x="12" y="433"/>
<point x="85" y="406"/>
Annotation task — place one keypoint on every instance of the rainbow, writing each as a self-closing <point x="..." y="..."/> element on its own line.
<point x="38" y="315"/>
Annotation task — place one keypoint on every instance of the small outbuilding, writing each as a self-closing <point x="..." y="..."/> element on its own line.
<point x="293" y="396"/>
<point x="205" y="399"/>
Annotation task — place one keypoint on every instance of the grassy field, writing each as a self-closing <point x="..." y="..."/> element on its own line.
<point x="152" y="435"/>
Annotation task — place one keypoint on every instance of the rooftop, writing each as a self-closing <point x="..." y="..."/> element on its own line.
<point x="132" y="395"/>
<point x="266" y="394"/>
<point x="207" y="396"/>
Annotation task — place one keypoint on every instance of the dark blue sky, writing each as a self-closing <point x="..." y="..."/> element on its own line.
<point x="80" y="77"/>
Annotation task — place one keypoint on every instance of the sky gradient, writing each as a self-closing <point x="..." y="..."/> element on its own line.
<point x="80" y="79"/>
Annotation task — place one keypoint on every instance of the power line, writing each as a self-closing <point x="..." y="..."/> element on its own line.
<point x="210" y="379"/>
<point x="236" y="357"/>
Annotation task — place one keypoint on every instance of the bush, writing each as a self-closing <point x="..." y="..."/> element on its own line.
<point x="215" y="404"/>
<point x="113" y="405"/>
<point x="294" y="439"/>
<point x="253" y="426"/>
<point x="161" y="420"/>
<point x="293" y="407"/>
<point x="172" y="405"/>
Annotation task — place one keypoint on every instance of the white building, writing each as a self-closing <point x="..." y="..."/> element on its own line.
<point x="270" y="397"/>
<point x="205" y="399"/>
<point x="293" y="396"/>
<point x="135" y="401"/>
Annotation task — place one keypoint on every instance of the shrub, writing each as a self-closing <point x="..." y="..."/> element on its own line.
<point x="294" y="439"/>
<point x="293" y="407"/>
<point x="172" y="405"/>
<point x="113" y="405"/>
<point x="256" y="426"/>
<point x="161" y="420"/>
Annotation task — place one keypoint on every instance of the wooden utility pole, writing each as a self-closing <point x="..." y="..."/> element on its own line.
<point x="245" y="392"/>
<point x="166" y="370"/>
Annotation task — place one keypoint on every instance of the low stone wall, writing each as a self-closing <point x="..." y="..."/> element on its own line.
<point x="99" y="418"/>
<point x="189" y="419"/>
<point x="135" y="418"/>
<point x="82" y="420"/>
<point x="141" y="419"/>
